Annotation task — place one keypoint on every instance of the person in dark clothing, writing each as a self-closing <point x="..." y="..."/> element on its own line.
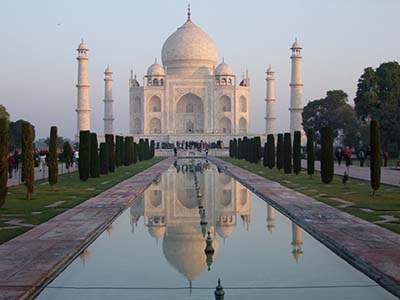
<point x="385" y="158"/>
<point x="175" y="152"/>
<point x="11" y="164"/>
<point x="339" y="156"/>
<point x="361" y="157"/>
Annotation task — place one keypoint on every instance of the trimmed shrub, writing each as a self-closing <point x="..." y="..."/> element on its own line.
<point x="270" y="151"/>
<point x="117" y="151"/>
<point x="297" y="152"/>
<point x="104" y="158"/>
<point x="265" y="155"/>
<point x="53" y="163"/>
<point x="67" y="154"/>
<point x="310" y="152"/>
<point x="235" y="148"/>
<point x="375" y="165"/>
<point x="135" y="153"/>
<point x="122" y="150"/>
<point x="146" y="149"/>
<point x="279" y="152"/>
<point x="28" y="158"/>
<point x="128" y="160"/>
<point x="287" y="153"/>
<point x="94" y="156"/>
<point x="84" y="155"/>
<point x="326" y="154"/>
<point x="111" y="152"/>
<point x="3" y="160"/>
<point x="152" y="149"/>
<point x="257" y="149"/>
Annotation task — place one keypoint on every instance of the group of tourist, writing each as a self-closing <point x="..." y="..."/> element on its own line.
<point x="362" y="154"/>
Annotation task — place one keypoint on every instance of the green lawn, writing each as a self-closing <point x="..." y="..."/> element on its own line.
<point x="69" y="189"/>
<point x="385" y="202"/>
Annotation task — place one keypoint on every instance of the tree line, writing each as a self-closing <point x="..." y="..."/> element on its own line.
<point x="286" y="154"/>
<point x="377" y="98"/>
<point x="93" y="160"/>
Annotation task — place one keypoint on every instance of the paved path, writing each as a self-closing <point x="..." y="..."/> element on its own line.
<point x="33" y="258"/>
<point x="371" y="249"/>
<point x="388" y="176"/>
<point x="39" y="174"/>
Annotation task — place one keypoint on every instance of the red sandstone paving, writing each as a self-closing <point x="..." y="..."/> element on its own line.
<point x="372" y="249"/>
<point x="36" y="255"/>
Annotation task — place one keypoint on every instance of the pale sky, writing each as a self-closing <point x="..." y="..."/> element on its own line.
<point x="39" y="70"/>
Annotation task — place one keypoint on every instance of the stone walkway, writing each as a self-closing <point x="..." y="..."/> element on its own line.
<point x="368" y="247"/>
<point x="39" y="174"/>
<point x="388" y="176"/>
<point x="33" y="258"/>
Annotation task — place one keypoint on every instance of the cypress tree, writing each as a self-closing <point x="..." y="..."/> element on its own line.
<point x="230" y="148"/>
<point x="122" y="150"/>
<point x="271" y="151"/>
<point x="103" y="158"/>
<point x="257" y="149"/>
<point x="94" y="156"/>
<point x="287" y="153"/>
<point x="28" y="158"/>
<point x="135" y="153"/>
<point x="111" y="152"/>
<point x="67" y="153"/>
<point x="128" y="159"/>
<point x="141" y="150"/>
<point x="147" y="149"/>
<point x="326" y="154"/>
<point x="310" y="152"/>
<point x="84" y="155"/>
<point x="279" y="152"/>
<point x="297" y="152"/>
<point x="152" y="149"/>
<point x="375" y="165"/>
<point x="235" y="148"/>
<point x="3" y="160"/>
<point x="245" y="148"/>
<point x="117" y="151"/>
<point x="53" y="163"/>
<point x="265" y="155"/>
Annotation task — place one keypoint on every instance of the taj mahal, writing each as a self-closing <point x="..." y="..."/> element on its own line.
<point x="190" y="96"/>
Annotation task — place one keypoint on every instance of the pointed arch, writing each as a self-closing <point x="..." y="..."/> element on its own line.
<point x="242" y="125"/>
<point x="224" y="104"/>
<point x="155" y="104"/>
<point x="243" y="104"/>
<point x="155" y="125"/>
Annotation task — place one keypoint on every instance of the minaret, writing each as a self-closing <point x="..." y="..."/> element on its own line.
<point x="296" y="89"/>
<point x="108" y="102"/>
<point x="83" y="106"/>
<point x="270" y="117"/>
<point x="297" y="241"/>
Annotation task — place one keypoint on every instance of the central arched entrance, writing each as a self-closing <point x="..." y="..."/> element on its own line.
<point x="189" y="114"/>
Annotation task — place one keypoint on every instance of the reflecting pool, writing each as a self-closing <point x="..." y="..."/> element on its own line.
<point x="156" y="249"/>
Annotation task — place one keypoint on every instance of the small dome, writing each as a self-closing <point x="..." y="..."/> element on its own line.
<point x="296" y="45"/>
<point x="225" y="231"/>
<point x="155" y="70"/>
<point x="156" y="232"/>
<point x="223" y="69"/>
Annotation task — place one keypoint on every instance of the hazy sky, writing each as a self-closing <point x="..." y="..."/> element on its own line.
<point x="39" y="69"/>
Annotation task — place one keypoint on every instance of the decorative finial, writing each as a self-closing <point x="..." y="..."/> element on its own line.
<point x="155" y="60"/>
<point x="188" y="12"/>
<point x="82" y="40"/>
<point x="131" y="74"/>
<point x="223" y="59"/>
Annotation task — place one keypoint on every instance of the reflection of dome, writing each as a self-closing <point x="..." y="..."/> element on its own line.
<point x="189" y="47"/>
<point x="225" y="179"/>
<point x="155" y="198"/>
<point x="183" y="248"/>
<point x="156" y="232"/>
<point x="225" y="231"/>
<point x="223" y="69"/>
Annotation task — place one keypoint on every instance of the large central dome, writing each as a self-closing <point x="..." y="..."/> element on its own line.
<point x="189" y="50"/>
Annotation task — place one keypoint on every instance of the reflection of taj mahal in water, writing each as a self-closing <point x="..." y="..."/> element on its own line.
<point x="171" y="213"/>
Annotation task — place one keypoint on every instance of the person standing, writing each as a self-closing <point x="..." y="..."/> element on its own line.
<point x="385" y="158"/>
<point x="11" y="165"/>
<point x="339" y="156"/>
<point x="361" y="157"/>
<point x="175" y="152"/>
<point x="347" y="157"/>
